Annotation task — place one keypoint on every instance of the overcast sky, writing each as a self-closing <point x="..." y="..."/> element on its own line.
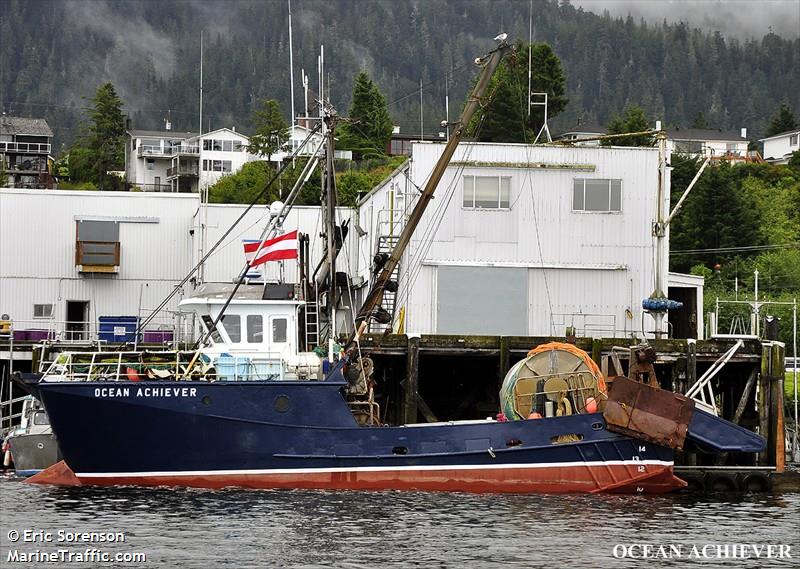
<point x="734" y="18"/>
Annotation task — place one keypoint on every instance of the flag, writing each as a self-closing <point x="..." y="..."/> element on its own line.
<point x="277" y="249"/>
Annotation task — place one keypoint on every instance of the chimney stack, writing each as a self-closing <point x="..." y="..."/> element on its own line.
<point x="744" y="133"/>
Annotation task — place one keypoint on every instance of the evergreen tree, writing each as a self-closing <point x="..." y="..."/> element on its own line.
<point x="719" y="213"/>
<point x="271" y="130"/>
<point x="370" y="126"/>
<point x="632" y="120"/>
<point x="700" y="121"/>
<point x="506" y="118"/>
<point x="782" y="121"/>
<point x="101" y="149"/>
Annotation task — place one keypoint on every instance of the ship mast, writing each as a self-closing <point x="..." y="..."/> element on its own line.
<point x="490" y="62"/>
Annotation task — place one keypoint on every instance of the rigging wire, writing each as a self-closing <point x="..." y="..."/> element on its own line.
<point x="416" y="260"/>
<point x="533" y="204"/>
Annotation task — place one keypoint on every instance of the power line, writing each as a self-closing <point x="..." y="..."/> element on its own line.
<point x="735" y="249"/>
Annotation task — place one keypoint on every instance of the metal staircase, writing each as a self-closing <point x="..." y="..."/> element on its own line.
<point x="389" y="302"/>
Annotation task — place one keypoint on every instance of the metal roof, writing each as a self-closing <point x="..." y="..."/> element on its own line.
<point x="703" y="134"/>
<point x="161" y="134"/>
<point x="780" y="134"/>
<point x="22" y="125"/>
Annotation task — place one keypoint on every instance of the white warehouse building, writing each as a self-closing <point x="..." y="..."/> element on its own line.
<point x="70" y="258"/>
<point x="526" y="240"/>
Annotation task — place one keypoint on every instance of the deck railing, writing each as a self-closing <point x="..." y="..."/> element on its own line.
<point x="135" y="366"/>
<point x="25" y="147"/>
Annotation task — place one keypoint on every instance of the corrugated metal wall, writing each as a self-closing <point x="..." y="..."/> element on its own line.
<point x="591" y="263"/>
<point x="37" y="250"/>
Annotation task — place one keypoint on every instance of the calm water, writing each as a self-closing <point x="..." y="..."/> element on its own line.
<point x="243" y="528"/>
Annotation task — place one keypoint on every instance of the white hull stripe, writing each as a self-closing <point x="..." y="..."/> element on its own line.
<point x="437" y="467"/>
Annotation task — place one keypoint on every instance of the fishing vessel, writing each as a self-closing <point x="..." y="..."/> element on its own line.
<point x="255" y="407"/>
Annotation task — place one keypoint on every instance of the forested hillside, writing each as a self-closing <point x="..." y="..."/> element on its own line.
<point x="54" y="53"/>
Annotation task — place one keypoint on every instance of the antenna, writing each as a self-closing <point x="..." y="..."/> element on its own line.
<point x="446" y="104"/>
<point x="530" y="62"/>
<point x="304" y="78"/>
<point x="421" y="124"/>
<point x="291" y="62"/>
<point x="201" y="84"/>
<point x="541" y="103"/>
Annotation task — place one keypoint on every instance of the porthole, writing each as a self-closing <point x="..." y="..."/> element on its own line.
<point x="206" y="400"/>
<point x="282" y="403"/>
<point x="400" y="450"/>
<point x="597" y="426"/>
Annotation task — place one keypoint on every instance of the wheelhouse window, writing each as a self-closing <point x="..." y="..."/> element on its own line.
<point x="233" y="327"/>
<point x="279" y="326"/>
<point x="597" y="195"/>
<point x="41" y="418"/>
<point x="487" y="192"/>
<point x="255" y="329"/>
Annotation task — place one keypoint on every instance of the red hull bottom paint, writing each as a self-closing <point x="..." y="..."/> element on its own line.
<point x="617" y="478"/>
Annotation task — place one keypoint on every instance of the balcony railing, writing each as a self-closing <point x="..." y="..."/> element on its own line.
<point x="25" y="147"/>
<point x="153" y="151"/>
<point x="185" y="149"/>
<point x="167" y="151"/>
<point x="188" y="170"/>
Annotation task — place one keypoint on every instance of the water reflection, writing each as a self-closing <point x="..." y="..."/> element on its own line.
<point x="249" y="528"/>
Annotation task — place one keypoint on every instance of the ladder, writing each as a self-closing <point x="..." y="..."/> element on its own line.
<point x="311" y="324"/>
<point x="389" y="302"/>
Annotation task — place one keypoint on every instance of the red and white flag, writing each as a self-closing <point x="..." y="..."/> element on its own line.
<point x="277" y="249"/>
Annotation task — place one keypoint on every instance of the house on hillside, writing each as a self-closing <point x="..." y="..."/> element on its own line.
<point x="581" y="131"/>
<point x="780" y="147"/>
<point x="148" y="157"/>
<point x="700" y="142"/>
<point x="166" y="161"/>
<point x="25" y="146"/>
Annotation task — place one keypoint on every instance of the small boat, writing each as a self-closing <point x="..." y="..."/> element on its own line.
<point x="32" y="445"/>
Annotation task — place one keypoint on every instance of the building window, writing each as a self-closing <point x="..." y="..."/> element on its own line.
<point x="255" y="329"/>
<point x="151" y="163"/>
<point x="226" y="165"/>
<point x="279" y="330"/>
<point x="238" y="146"/>
<point x="793" y="140"/>
<point x="596" y="195"/>
<point x="97" y="245"/>
<point x="42" y="310"/>
<point x="233" y="326"/>
<point x="487" y="192"/>
<point x="207" y="144"/>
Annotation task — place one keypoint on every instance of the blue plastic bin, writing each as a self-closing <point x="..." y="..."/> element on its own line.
<point x="118" y="328"/>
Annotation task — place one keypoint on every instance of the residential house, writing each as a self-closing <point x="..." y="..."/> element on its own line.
<point x="780" y="147"/>
<point x="582" y="131"/>
<point x="720" y="144"/>
<point x="167" y="161"/>
<point x="25" y="146"/>
<point x="148" y="157"/>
